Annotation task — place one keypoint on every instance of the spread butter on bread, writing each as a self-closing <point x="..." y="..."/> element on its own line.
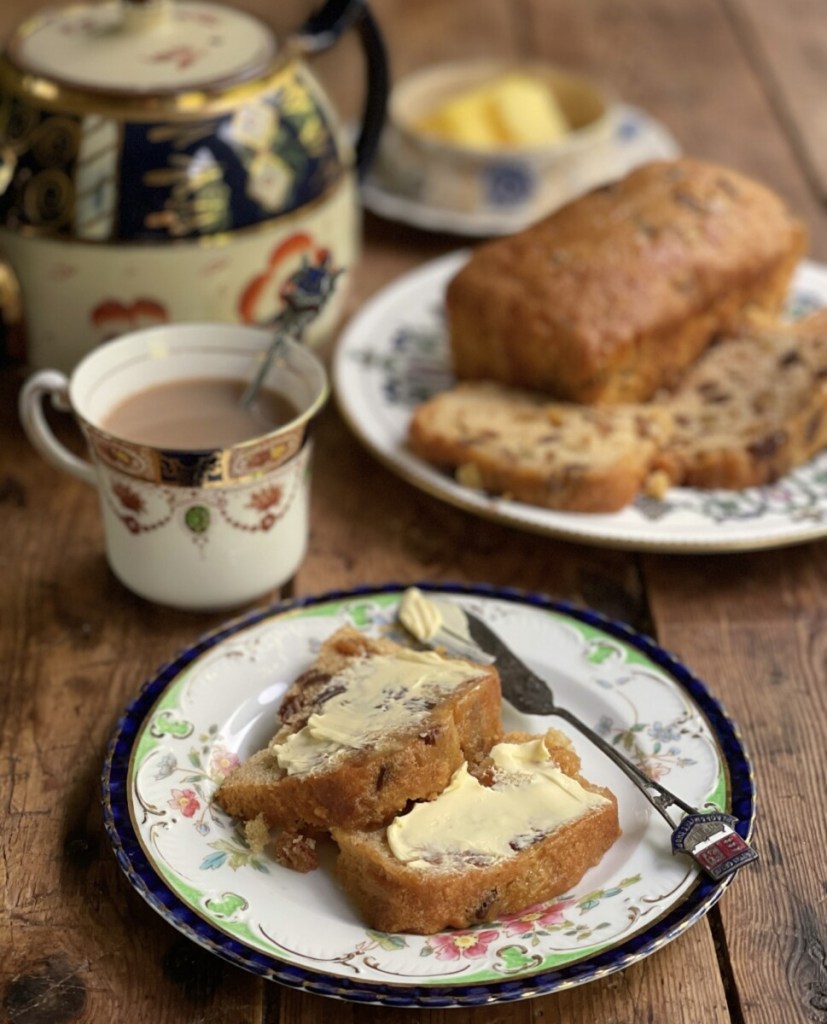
<point x="370" y="726"/>
<point x="520" y="829"/>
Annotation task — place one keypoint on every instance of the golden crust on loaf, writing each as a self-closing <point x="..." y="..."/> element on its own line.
<point x="612" y="296"/>
<point x="371" y="784"/>
<point x="396" y="897"/>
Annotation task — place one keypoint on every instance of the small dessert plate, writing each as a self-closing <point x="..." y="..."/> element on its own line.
<point x="216" y="703"/>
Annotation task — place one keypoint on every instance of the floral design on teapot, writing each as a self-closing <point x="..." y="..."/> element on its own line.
<point x="162" y="151"/>
<point x="277" y="289"/>
<point x="183" y="179"/>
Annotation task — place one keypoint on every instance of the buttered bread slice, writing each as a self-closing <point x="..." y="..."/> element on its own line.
<point x="521" y="828"/>
<point x="369" y="727"/>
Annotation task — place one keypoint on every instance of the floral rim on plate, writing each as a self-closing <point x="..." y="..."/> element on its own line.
<point x="214" y="704"/>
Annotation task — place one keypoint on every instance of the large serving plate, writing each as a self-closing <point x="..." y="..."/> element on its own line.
<point x="215" y="704"/>
<point x="394" y="354"/>
<point x="636" y="139"/>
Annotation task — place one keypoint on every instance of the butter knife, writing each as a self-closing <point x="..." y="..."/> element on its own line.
<point x="708" y="835"/>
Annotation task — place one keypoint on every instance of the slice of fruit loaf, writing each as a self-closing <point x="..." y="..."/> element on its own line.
<point x="369" y="727"/>
<point x="752" y="408"/>
<point x="523" y="446"/>
<point x="522" y="828"/>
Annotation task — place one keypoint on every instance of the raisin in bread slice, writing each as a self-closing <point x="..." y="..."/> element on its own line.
<point x="369" y="727"/>
<point x="752" y="408"/>
<point x="523" y="828"/>
<point x="520" y="445"/>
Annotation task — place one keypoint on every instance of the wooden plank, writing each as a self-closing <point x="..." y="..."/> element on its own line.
<point x="77" y="941"/>
<point x="753" y="626"/>
<point x="685" y="64"/>
<point x="787" y="44"/>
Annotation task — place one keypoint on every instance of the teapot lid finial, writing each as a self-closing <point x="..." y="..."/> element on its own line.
<point x="144" y="46"/>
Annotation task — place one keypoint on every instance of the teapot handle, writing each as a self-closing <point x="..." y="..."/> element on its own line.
<point x="321" y="30"/>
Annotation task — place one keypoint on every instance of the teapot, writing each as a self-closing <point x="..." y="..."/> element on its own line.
<point x="170" y="160"/>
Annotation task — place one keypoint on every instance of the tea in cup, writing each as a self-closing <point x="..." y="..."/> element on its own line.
<point x="205" y="501"/>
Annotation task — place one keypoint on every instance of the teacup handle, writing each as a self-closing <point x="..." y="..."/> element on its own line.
<point x="55" y="385"/>
<point x="322" y="30"/>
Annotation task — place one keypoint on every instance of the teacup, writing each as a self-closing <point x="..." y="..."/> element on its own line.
<point x="204" y="528"/>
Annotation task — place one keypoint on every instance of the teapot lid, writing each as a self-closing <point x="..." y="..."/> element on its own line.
<point x="143" y="46"/>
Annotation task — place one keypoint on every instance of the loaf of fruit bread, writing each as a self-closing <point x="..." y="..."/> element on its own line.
<point x="515" y="443"/>
<point x="752" y="408"/>
<point x="612" y="296"/>
<point x="520" y="829"/>
<point x="370" y="726"/>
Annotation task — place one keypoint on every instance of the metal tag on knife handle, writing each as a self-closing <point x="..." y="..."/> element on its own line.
<point x="711" y="840"/>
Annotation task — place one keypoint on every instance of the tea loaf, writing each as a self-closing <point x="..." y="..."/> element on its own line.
<point x="751" y="409"/>
<point x="370" y="726"/>
<point x="521" y="829"/>
<point x="515" y="443"/>
<point x="612" y="296"/>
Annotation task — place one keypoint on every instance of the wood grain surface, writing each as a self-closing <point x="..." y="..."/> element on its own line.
<point x="739" y="81"/>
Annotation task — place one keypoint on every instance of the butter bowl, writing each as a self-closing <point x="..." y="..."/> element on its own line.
<point x="435" y="151"/>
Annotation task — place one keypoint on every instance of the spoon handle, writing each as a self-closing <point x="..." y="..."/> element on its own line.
<point x="252" y="388"/>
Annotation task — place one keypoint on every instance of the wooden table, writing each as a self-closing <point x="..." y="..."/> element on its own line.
<point x="740" y="81"/>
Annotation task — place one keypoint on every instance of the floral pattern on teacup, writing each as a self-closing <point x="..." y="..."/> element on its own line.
<point x="256" y="508"/>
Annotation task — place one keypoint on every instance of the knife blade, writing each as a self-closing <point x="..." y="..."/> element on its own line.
<point x="521" y="687"/>
<point x="707" y="835"/>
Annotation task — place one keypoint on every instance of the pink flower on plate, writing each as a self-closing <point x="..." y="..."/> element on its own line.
<point x="457" y="945"/>
<point x="222" y="762"/>
<point x="185" y="801"/>
<point x="655" y="768"/>
<point x="536" y="917"/>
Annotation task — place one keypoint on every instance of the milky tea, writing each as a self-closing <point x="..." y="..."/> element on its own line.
<point x="197" y="413"/>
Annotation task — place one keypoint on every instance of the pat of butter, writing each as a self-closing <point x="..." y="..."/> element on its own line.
<point x="530" y="798"/>
<point x="378" y="695"/>
<point x="421" y="617"/>
<point x="515" y="109"/>
<point x="424" y="616"/>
